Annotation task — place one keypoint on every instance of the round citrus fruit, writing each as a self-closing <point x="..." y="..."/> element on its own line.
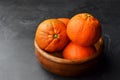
<point x="84" y="29"/>
<point x="64" y="20"/>
<point x="74" y="51"/>
<point x="51" y="35"/>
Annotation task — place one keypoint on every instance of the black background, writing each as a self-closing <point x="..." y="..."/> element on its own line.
<point x="19" y="20"/>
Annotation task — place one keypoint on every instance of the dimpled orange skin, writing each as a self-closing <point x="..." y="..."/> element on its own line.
<point x="64" y="20"/>
<point x="51" y="35"/>
<point x="84" y="29"/>
<point x="76" y="52"/>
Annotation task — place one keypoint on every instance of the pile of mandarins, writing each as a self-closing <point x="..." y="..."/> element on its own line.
<point x="75" y="37"/>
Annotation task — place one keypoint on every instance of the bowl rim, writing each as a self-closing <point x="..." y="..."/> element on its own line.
<point x="66" y="61"/>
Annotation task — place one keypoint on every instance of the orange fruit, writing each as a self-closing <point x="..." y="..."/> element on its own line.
<point x="51" y="35"/>
<point x="84" y="29"/>
<point x="74" y="51"/>
<point x="64" y="20"/>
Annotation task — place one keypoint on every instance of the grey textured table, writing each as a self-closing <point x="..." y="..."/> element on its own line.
<point x="19" y="20"/>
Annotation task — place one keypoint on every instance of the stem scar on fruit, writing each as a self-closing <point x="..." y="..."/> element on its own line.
<point x="55" y="35"/>
<point x="88" y="15"/>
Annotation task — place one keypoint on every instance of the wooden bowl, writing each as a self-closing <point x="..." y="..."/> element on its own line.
<point x="54" y="63"/>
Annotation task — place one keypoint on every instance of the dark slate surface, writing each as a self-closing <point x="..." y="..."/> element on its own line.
<point x="19" y="20"/>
